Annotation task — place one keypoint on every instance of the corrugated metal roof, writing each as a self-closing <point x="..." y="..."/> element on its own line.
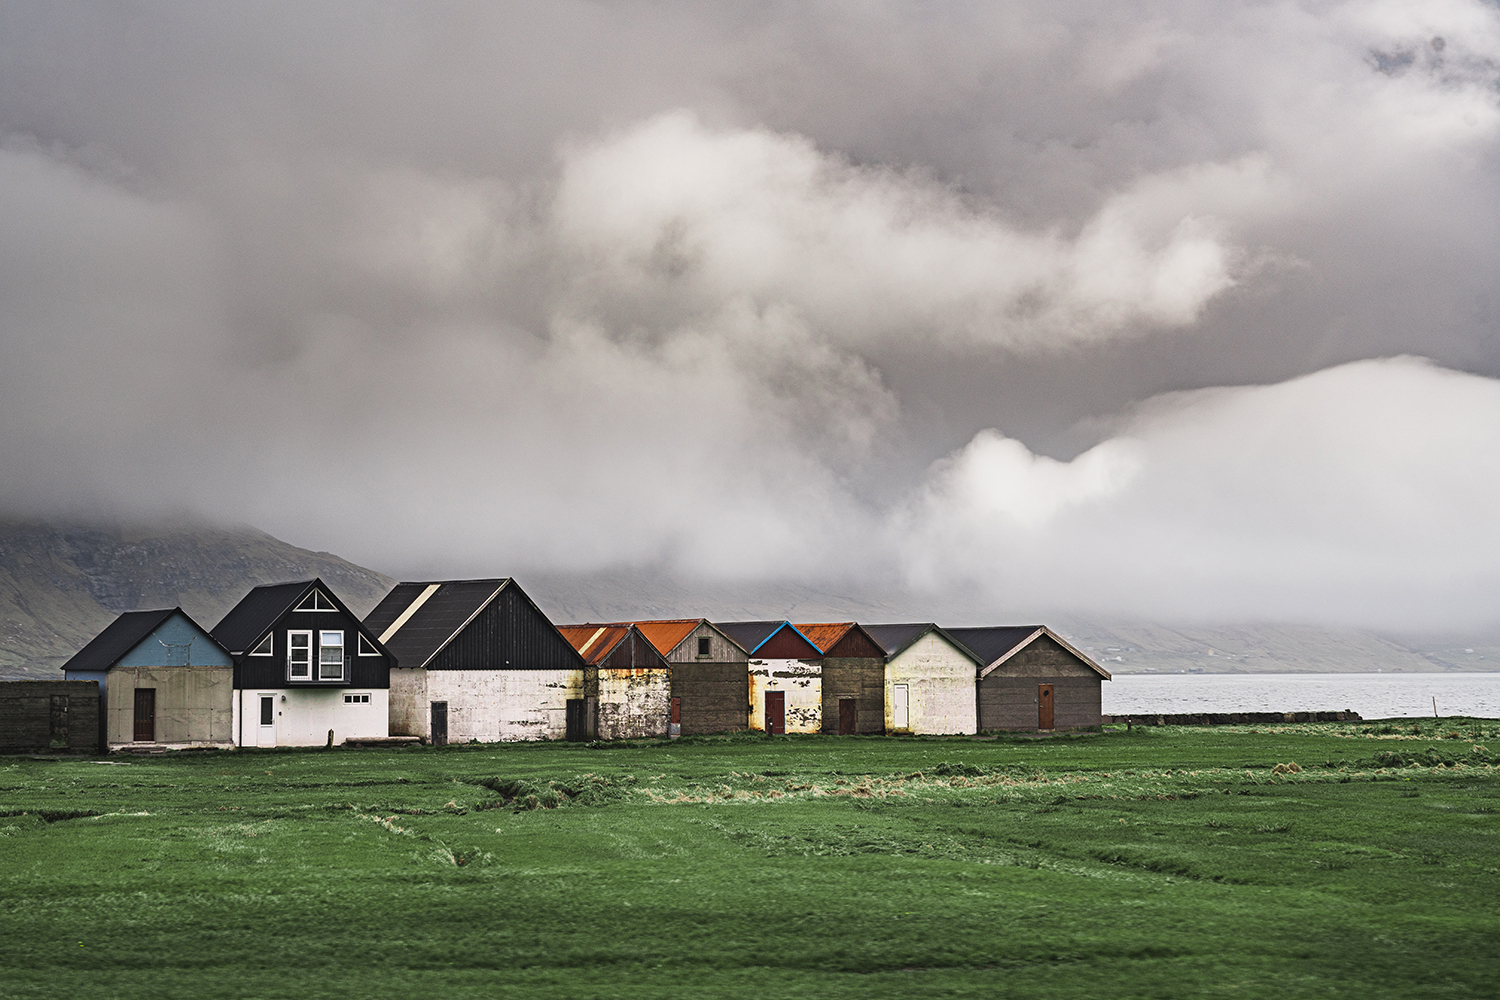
<point x="666" y="634"/>
<point x="994" y="644"/>
<point x="118" y="638"/>
<point x="991" y="642"/>
<point x="257" y="611"/>
<point x="825" y="635"/>
<point x="594" y="642"/>
<point x="749" y="636"/>
<point x="430" y="625"/>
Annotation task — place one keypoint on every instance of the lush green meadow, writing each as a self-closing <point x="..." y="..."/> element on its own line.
<point x="1170" y="862"/>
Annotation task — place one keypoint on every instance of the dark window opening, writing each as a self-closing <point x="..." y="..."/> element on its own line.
<point x="705" y="645"/>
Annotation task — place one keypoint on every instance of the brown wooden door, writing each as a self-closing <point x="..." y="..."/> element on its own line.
<point x="846" y="716"/>
<point x="1044" y="706"/>
<point x="145" y="715"/>
<point x="676" y="710"/>
<point x="776" y="712"/>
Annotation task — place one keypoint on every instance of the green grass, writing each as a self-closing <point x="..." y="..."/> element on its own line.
<point x="1159" y="863"/>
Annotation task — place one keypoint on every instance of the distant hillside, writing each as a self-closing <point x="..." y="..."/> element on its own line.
<point x="60" y="585"/>
<point x="1123" y="647"/>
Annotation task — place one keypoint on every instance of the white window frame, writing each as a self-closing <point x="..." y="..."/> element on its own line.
<point x="312" y="602"/>
<point x="291" y="647"/>
<point x="365" y="649"/>
<point x="356" y="699"/>
<point x="266" y="647"/>
<point x="323" y="644"/>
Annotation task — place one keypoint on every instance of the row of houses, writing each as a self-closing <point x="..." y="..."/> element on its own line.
<point x="464" y="660"/>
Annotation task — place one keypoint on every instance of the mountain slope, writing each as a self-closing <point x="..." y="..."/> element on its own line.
<point x="60" y="585"/>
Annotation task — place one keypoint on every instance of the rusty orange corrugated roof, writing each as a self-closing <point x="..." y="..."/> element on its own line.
<point x="594" y="642"/>
<point x="824" y="635"/>
<point x="667" y="634"/>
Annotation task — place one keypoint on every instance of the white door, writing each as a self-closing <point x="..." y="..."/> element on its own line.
<point x="265" y="733"/>
<point x="900" y="714"/>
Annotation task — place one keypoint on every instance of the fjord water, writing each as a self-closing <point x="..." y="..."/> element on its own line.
<point x="1374" y="696"/>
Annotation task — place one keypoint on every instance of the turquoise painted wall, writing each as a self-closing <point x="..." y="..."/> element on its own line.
<point x="177" y="632"/>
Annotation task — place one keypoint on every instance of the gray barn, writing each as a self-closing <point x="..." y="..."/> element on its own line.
<point x="1032" y="678"/>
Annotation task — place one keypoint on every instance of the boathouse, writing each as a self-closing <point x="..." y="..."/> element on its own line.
<point x="162" y="680"/>
<point x="853" y="677"/>
<point x="477" y="660"/>
<point x="627" y="684"/>
<point x="710" y="675"/>
<point x="929" y="680"/>
<point x="786" y="676"/>
<point x="1032" y="678"/>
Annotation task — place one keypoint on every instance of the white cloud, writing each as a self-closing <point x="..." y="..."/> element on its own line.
<point x="1364" y="493"/>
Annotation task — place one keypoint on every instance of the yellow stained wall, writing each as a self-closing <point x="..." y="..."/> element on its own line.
<point x="193" y="704"/>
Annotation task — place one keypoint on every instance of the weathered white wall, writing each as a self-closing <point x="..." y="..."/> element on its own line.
<point x="803" y="684"/>
<point x="494" y="705"/>
<point x="410" y="710"/>
<point x="193" y="704"/>
<point x="634" y="703"/>
<point x="304" y="715"/>
<point x="940" y="686"/>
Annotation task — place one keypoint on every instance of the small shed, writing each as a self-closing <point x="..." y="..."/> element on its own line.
<point x="786" y="676"/>
<point x="38" y="716"/>
<point x="478" y="660"/>
<point x="710" y="675"/>
<point x="305" y="669"/>
<point x="853" y="677"/>
<point x="162" y="679"/>
<point x="1032" y="678"/>
<point x="627" y="684"/>
<point x="929" y="680"/>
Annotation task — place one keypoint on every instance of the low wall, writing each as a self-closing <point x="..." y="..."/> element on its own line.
<point x="1232" y="718"/>
<point x="49" y="716"/>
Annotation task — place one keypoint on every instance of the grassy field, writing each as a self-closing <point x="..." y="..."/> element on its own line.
<point x="1156" y="863"/>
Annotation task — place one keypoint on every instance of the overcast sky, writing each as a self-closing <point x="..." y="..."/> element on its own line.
<point x="1184" y="311"/>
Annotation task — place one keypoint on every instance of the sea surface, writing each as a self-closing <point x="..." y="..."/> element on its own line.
<point x="1374" y="696"/>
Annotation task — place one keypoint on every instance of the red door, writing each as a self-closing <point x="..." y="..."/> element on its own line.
<point x="145" y="715"/>
<point x="846" y="716"/>
<point x="776" y="712"/>
<point x="1044" y="706"/>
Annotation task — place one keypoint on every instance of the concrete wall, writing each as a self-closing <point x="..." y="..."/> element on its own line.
<point x="940" y="688"/>
<point x="1008" y="695"/>
<point x="495" y="705"/>
<point x="305" y="715"/>
<point x="49" y="715"/>
<point x="634" y="702"/>
<point x="861" y="678"/>
<point x="803" y="683"/>
<point x="193" y="704"/>
<point x="411" y="713"/>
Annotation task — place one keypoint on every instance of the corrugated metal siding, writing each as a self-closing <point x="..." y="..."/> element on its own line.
<point x="787" y="644"/>
<point x="509" y="634"/>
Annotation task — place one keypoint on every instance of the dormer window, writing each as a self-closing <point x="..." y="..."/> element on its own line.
<point x="330" y="655"/>
<point x="315" y="601"/>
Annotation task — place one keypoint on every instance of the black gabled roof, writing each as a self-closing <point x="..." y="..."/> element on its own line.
<point x="894" y="639"/>
<point x="118" y="638"/>
<point x="989" y="643"/>
<point x="451" y="605"/>
<point x="750" y="636"/>
<point x="257" y="611"/>
<point x="260" y="609"/>
<point x="994" y="644"/>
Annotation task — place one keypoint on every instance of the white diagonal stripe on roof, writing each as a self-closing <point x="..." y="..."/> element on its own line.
<point x="432" y="588"/>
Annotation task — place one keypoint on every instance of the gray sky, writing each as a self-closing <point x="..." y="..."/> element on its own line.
<point x="1173" y="310"/>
